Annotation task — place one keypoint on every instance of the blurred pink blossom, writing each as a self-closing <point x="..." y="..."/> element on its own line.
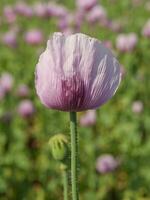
<point x="108" y="44"/>
<point x="56" y="10"/>
<point x="126" y="42"/>
<point x="106" y="163"/>
<point x="71" y="20"/>
<point x="26" y="108"/>
<point x="9" y="14"/>
<point x="89" y="118"/>
<point x="34" y="37"/>
<point x="6" y="82"/>
<point x="96" y="14"/>
<point x="23" y="9"/>
<point x="64" y="23"/>
<point x="115" y="26"/>
<point x="10" y="38"/>
<point x="78" y="19"/>
<point x="40" y="9"/>
<point x="86" y="4"/>
<point x="137" y="107"/>
<point x="23" y="90"/>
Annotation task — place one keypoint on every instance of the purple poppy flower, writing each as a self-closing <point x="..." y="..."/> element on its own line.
<point x="55" y="10"/>
<point x="40" y="10"/>
<point x="73" y="20"/>
<point x="96" y="14"/>
<point x="23" y="9"/>
<point x="34" y="37"/>
<point x="137" y="107"/>
<point x="86" y="4"/>
<point x="106" y="163"/>
<point x="78" y="19"/>
<point x="146" y="29"/>
<point x="89" y="118"/>
<point x="115" y="26"/>
<point x="9" y="14"/>
<point x="108" y="44"/>
<point x="6" y="82"/>
<point x="26" y="109"/>
<point x="76" y="73"/>
<point x="63" y="23"/>
<point x="10" y="38"/>
<point x="126" y="43"/>
<point x="23" y="90"/>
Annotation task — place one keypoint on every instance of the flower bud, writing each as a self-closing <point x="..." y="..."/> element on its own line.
<point x="58" y="146"/>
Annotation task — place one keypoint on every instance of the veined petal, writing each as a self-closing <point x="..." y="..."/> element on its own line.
<point x="76" y="73"/>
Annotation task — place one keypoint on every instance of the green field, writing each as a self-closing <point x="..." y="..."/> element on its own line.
<point x="27" y="169"/>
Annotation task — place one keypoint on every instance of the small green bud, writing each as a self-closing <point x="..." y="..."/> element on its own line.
<point x="58" y="145"/>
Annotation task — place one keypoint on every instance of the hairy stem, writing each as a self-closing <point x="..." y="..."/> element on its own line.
<point x="74" y="156"/>
<point x="65" y="183"/>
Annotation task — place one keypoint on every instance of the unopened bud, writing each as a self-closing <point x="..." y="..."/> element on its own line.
<point x="58" y="146"/>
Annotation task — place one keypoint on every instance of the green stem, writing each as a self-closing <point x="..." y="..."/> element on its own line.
<point x="74" y="156"/>
<point x="65" y="183"/>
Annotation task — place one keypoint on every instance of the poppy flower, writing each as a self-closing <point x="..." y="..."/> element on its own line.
<point x="76" y="73"/>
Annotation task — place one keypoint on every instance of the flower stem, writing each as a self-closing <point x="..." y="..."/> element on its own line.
<point x="74" y="156"/>
<point x="65" y="183"/>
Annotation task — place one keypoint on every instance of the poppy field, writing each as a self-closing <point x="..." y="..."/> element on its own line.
<point x="114" y="141"/>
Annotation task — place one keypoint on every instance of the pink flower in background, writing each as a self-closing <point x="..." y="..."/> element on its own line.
<point x="23" y="9"/>
<point x="89" y="118"/>
<point x="126" y="42"/>
<point x="63" y="23"/>
<point x="73" y="21"/>
<point x="96" y="14"/>
<point x="115" y="26"/>
<point x="26" y="108"/>
<point x="106" y="163"/>
<point x="108" y="44"/>
<point x="6" y="82"/>
<point x="34" y="37"/>
<point x="76" y="73"/>
<point x="86" y="4"/>
<point x="137" y="107"/>
<point x="10" y="38"/>
<point x="146" y="29"/>
<point x="55" y="10"/>
<point x="9" y="14"/>
<point x="78" y="19"/>
<point x="40" y="10"/>
<point x="23" y="90"/>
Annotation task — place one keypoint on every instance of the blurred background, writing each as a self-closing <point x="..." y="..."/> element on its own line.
<point x="114" y="140"/>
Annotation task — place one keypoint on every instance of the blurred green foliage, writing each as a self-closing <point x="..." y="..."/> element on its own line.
<point x="27" y="171"/>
